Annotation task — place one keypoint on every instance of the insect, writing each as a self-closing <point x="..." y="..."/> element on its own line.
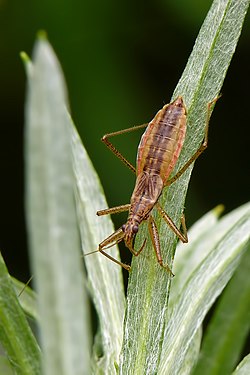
<point x="158" y="152"/>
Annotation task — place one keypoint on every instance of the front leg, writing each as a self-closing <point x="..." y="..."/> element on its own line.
<point x="105" y="139"/>
<point x="110" y="241"/>
<point x="200" y="150"/>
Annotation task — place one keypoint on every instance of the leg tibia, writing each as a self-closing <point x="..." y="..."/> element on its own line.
<point x="105" y="139"/>
<point x="113" y="210"/>
<point x="200" y="150"/>
<point x="182" y="236"/>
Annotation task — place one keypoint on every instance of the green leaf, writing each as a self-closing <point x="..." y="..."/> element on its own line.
<point x="189" y="255"/>
<point x="15" y="334"/>
<point x="229" y="326"/>
<point x="192" y="353"/>
<point x="52" y="223"/>
<point x="27" y="298"/>
<point x="244" y="367"/>
<point x="105" y="278"/>
<point x="148" y="287"/>
<point x="204" y="234"/>
<point x="5" y="367"/>
<point x="202" y="288"/>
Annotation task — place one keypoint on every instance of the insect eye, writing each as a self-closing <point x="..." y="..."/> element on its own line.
<point x="135" y="229"/>
<point x="123" y="227"/>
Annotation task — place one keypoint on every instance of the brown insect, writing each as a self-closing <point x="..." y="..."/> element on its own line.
<point x="158" y="152"/>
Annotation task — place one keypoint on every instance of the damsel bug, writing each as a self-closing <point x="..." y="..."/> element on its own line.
<point x="158" y="152"/>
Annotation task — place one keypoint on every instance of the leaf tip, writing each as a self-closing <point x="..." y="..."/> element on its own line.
<point x="24" y="57"/>
<point x="219" y="209"/>
<point x="42" y="35"/>
<point x="26" y="62"/>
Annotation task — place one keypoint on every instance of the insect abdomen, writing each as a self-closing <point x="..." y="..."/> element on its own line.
<point x="162" y="141"/>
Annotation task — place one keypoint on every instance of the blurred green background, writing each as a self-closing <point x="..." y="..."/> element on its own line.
<point x="122" y="60"/>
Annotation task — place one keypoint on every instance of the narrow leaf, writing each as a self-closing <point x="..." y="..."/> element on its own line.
<point x="148" y="287"/>
<point x="200" y="291"/>
<point x="226" y="334"/>
<point x="192" y="353"/>
<point x="15" y="334"/>
<point x="205" y="234"/>
<point x="189" y="255"/>
<point x="52" y="223"/>
<point x="105" y="278"/>
<point x="5" y="367"/>
<point x="27" y="298"/>
<point x="244" y="367"/>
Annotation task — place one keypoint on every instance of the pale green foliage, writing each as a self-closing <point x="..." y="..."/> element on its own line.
<point x="244" y="367"/>
<point x="160" y="333"/>
<point x="148" y="288"/>
<point x="52" y="223"/>
<point x="16" y="336"/>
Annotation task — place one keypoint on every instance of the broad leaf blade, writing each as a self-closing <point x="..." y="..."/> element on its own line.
<point x="52" y="224"/>
<point x="148" y="287"/>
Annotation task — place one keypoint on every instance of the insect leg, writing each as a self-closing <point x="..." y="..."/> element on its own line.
<point x="110" y="241"/>
<point x="184" y="227"/>
<point x="113" y="210"/>
<point x="24" y="286"/>
<point x="136" y="253"/>
<point x="182" y="236"/>
<point x="105" y="139"/>
<point x="154" y="235"/>
<point x="200" y="150"/>
<point x="123" y="265"/>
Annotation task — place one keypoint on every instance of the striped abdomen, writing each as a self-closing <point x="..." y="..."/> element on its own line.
<point x="162" y="141"/>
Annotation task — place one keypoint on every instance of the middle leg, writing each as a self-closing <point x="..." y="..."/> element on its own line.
<point x="182" y="236"/>
<point x="154" y="235"/>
